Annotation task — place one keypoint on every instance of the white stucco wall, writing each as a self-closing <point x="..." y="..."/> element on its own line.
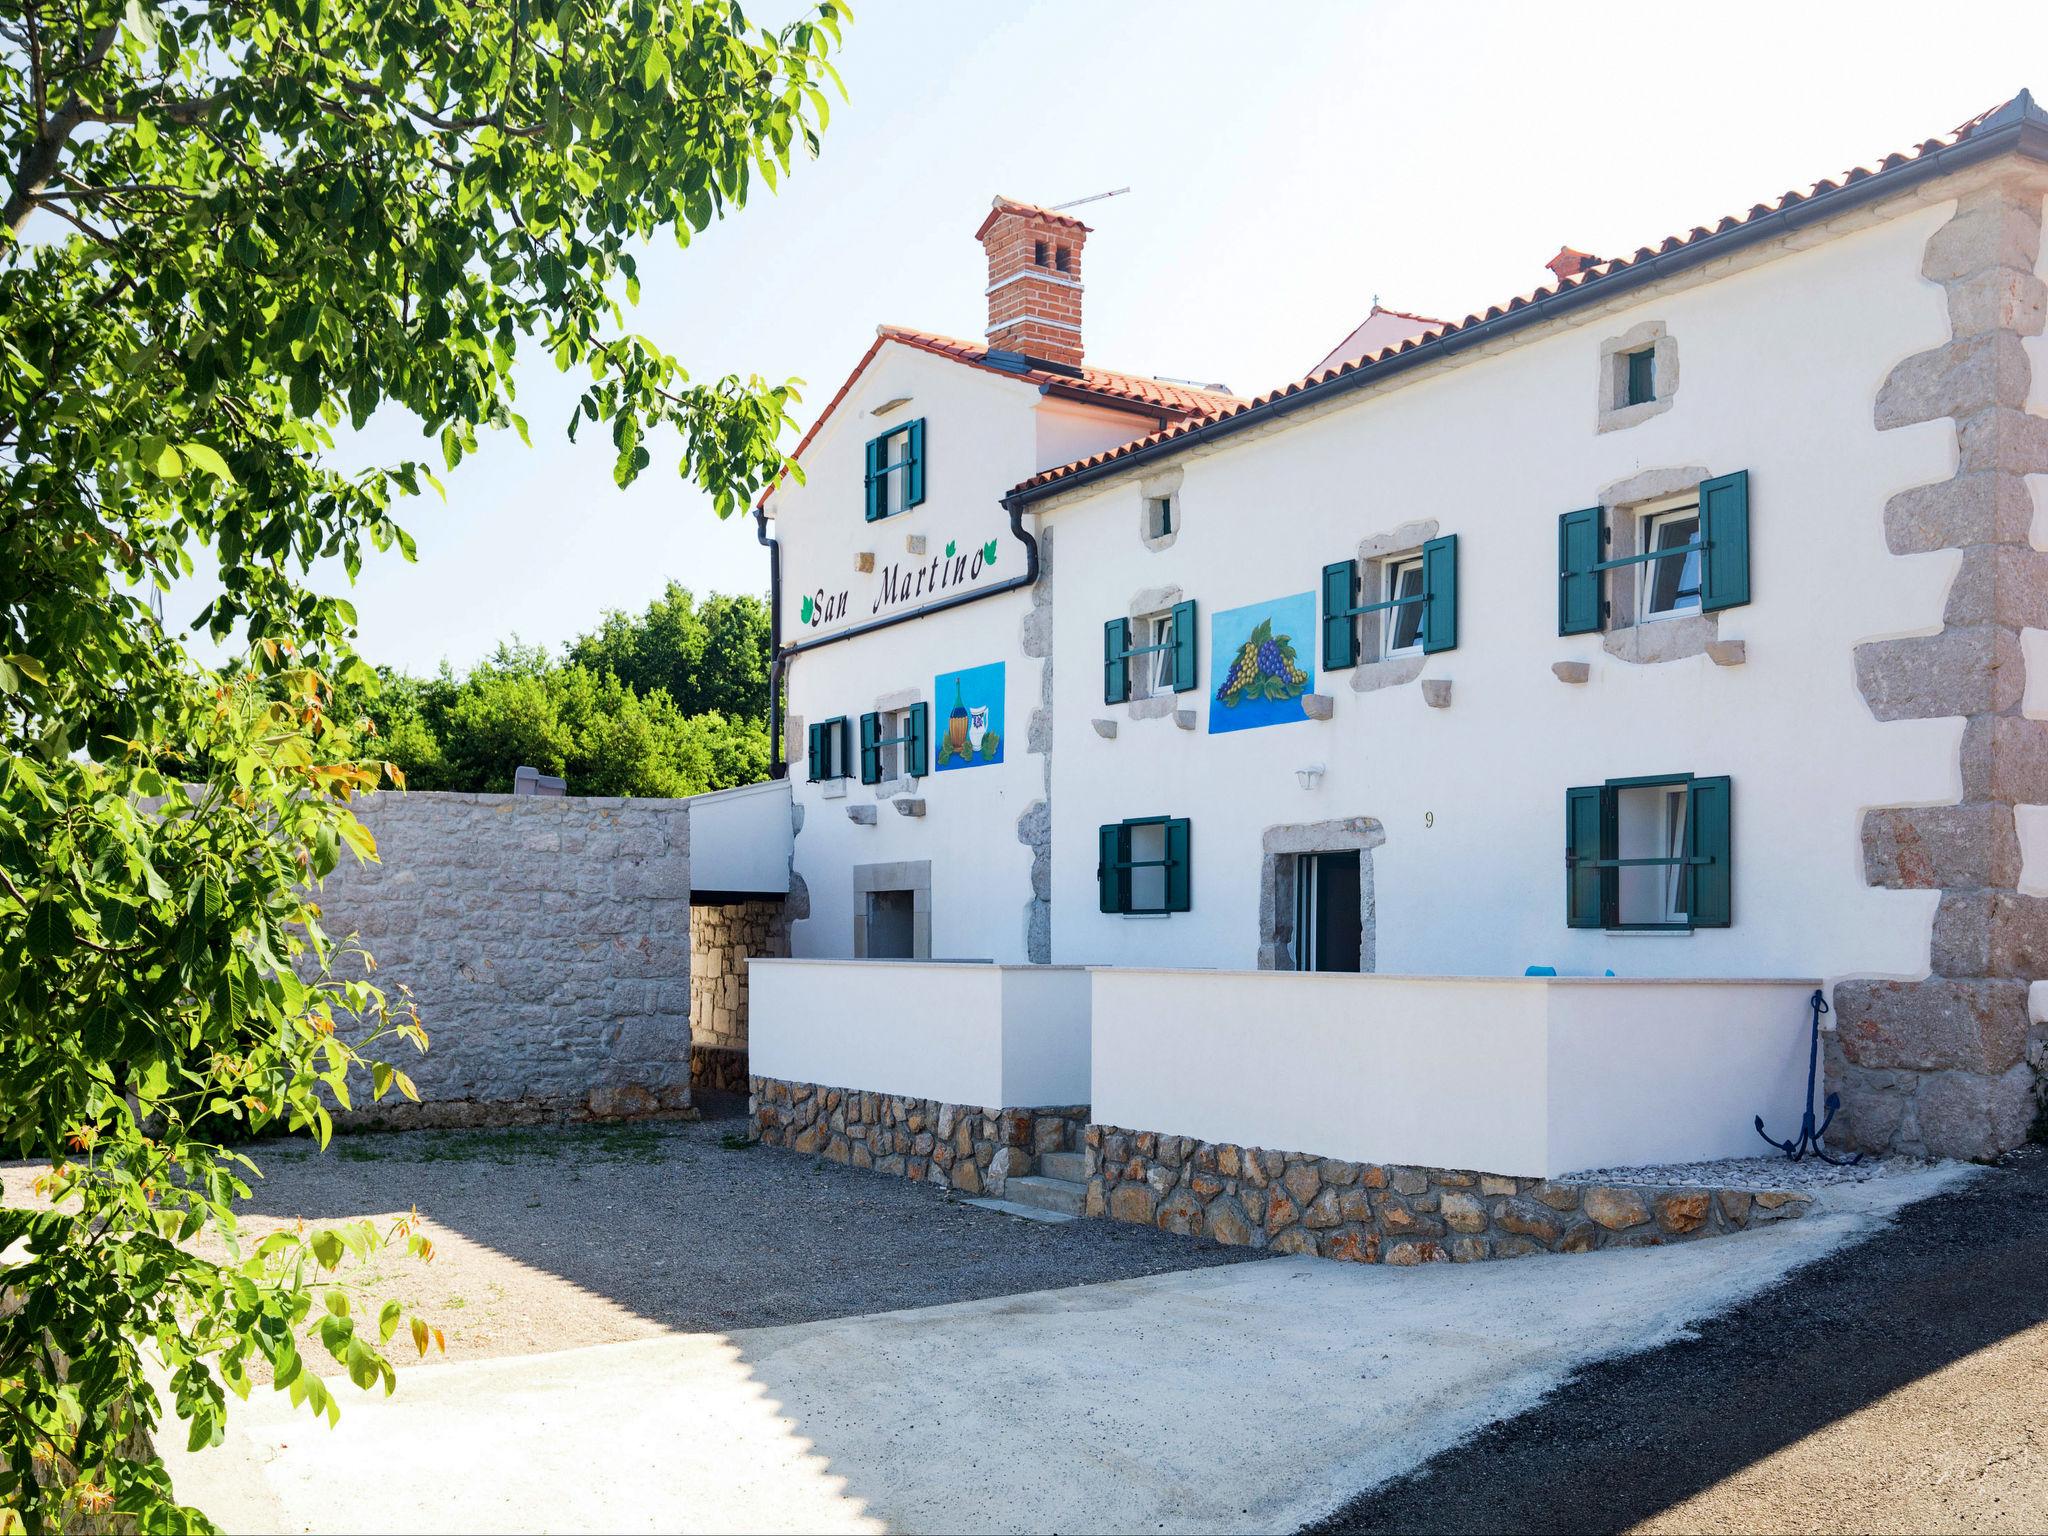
<point x="984" y="432"/>
<point x="1780" y="363"/>
<point x="1517" y="1076"/>
<point x="992" y="1036"/>
<point x="740" y="839"/>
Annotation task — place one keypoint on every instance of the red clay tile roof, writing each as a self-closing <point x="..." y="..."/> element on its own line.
<point x="1013" y="205"/>
<point x="1101" y="386"/>
<point x="2019" y="120"/>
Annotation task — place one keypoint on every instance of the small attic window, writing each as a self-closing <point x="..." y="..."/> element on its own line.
<point x="1159" y="520"/>
<point x="1640" y="387"/>
<point x="1063" y="259"/>
<point x="1038" y="253"/>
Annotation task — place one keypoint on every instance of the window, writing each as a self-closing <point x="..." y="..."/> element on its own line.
<point x="1695" y="559"/>
<point x="1063" y="259"/>
<point x="1670" y="584"/>
<point x="895" y="477"/>
<point x="1651" y="853"/>
<point x="1329" y="927"/>
<point x="1039" y="253"/>
<point x="1639" y="387"/>
<point x="1143" y="867"/>
<point x="1160" y="660"/>
<point x="1401" y="625"/>
<point x="1414" y="596"/>
<point x="895" y="744"/>
<point x="1159" y="519"/>
<point x="829" y="747"/>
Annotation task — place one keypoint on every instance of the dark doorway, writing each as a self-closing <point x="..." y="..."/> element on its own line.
<point x="892" y="925"/>
<point x="1329" y="926"/>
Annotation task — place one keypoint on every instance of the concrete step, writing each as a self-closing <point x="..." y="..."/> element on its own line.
<point x="1046" y="1194"/>
<point x="1028" y="1212"/>
<point x="1070" y="1166"/>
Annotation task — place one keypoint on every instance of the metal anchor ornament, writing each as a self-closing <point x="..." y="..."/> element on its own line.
<point x="1810" y="1136"/>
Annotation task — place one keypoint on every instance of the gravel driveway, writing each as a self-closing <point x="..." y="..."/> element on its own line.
<point x="549" y="1239"/>
<point x="1898" y="1385"/>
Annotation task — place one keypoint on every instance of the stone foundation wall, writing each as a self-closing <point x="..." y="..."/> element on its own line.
<point x="547" y="943"/>
<point x="1369" y="1213"/>
<point x="1946" y="1066"/>
<point x="722" y="939"/>
<point x="955" y="1146"/>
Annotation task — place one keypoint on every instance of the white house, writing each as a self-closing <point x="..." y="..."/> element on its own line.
<point x="1684" y="621"/>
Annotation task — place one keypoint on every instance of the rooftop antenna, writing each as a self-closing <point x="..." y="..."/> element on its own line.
<point x="1094" y="197"/>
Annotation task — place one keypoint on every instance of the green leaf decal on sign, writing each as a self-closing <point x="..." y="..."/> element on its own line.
<point x="951" y="545"/>
<point x="806" y="611"/>
<point x="988" y="553"/>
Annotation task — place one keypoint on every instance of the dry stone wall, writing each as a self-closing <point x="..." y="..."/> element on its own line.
<point x="1369" y="1213"/>
<point x="547" y="943"/>
<point x="969" y="1148"/>
<point x="1946" y="1066"/>
<point x="722" y="939"/>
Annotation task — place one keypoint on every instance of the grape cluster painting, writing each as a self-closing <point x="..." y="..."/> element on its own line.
<point x="1263" y="662"/>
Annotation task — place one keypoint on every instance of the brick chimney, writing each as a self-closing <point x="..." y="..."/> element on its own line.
<point x="1034" y="280"/>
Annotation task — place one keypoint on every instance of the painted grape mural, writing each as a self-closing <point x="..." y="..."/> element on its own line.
<point x="1262" y="670"/>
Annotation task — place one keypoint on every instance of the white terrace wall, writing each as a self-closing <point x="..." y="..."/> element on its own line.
<point x="984" y="1036"/>
<point x="1525" y="1077"/>
<point x="547" y="942"/>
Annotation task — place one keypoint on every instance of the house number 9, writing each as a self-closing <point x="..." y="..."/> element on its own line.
<point x="1429" y="818"/>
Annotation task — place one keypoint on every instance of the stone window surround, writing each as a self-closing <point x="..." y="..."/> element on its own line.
<point x="1615" y="412"/>
<point x="1279" y="849"/>
<point x="1151" y="603"/>
<point x="1166" y="483"/>
<point x="889" y="703"/>
<point x="912" y="875"/>
<point x="1375" y="553"/>
<point x="1647" y="641"/>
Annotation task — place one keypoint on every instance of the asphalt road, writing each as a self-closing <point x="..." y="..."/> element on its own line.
<point x="1898" y="1384"/>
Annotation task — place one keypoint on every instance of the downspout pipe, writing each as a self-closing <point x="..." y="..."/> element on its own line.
<point x="778" y="670"/>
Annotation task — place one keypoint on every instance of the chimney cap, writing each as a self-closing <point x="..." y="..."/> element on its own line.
<point x="1010" y="205"/>
<point x="1570" y="263"/>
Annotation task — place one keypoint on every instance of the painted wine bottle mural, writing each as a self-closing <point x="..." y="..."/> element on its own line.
<point x="973" y="734"/>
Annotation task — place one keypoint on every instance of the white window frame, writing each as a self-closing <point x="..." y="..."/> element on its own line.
<point x="889" y="764"/>
<point x="1152" y="676"/>
<point x="1669" y="843"/>
<point x="1649" y="521"/>
<point x="1153" y="874"/>
<point x="895" y="470"/>
<point x="1392" y="569"/>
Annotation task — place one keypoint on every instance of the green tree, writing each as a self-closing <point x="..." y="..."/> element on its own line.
<point x="708" y="657"/>
<point x="226" y="228"/>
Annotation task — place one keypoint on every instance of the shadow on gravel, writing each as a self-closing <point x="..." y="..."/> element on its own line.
<point x="692" y="1226"/>
<point x="1636" y="1435"/>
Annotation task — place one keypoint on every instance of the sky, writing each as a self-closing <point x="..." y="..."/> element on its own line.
<point x="1287" y="162"/>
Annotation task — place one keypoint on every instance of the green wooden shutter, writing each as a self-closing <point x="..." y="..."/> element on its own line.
<point x="1340" y="630"/>
<point x="870" y="749"/>
<point x="1440" y="594"/>
<point x="1109" y="873"/>
<point x="1179" y="874"/>
<point x="1183" y="647"/>
<point x="1724" y="529"/>
<point x="917" y="751"/>
<point x="1580" y="536"/>
<point x="1709" y="834"/>
<point x="1585" y="883"/>
<point x="1116" y="661"/>
<point x="814" y="749"/>
<point x="913" y="494"/>
<point x="878" y="495"/>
